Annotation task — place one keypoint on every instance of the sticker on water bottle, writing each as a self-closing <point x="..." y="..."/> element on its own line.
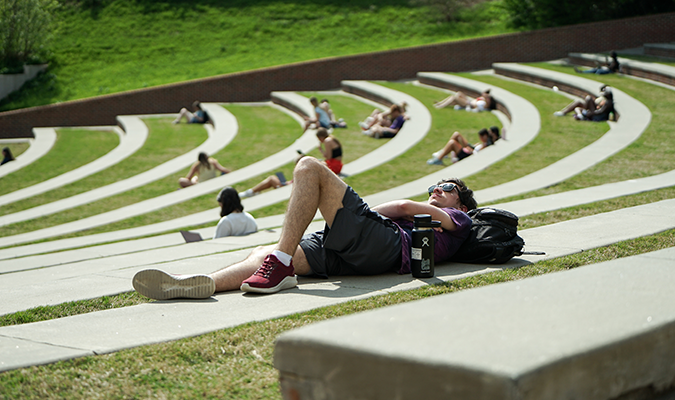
<point x="416" y="253"/>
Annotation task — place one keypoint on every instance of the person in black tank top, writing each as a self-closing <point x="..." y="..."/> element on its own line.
<point x="331" y="149"/>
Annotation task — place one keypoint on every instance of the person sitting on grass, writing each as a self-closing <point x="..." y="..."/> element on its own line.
<point x="202" y="170"/>
<point x="384" y="129"/>
<point x="6" y="156"/>
<point x="198" y="117"/>
<point x="459" y="148"/>
<point x="331" y="149"/>
<point x="334" y="122"/>
<point x="382" y="117"/>
<point x="610" y="67"/>
<point x="485" y="102"/>
<point x="356" y="240"/>
<point x="592" y="108"/>
<point x="494" y="133"/>
<point x="234" y="221"/>
<point x="321" y="118"/>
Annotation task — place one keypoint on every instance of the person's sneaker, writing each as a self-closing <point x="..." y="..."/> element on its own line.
<point x="559" y="114"/>
<point x="434" y="161"/>
<point x="363" y="125"/>
<point x="160" y="285"/>
<point x="246" y="193"/>
<point x="271" y="277"/>
<point x="458" y="107"/>
<point x="367" y="133"/>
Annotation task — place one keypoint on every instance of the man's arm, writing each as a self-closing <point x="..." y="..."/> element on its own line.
<point x="406" y="209"/>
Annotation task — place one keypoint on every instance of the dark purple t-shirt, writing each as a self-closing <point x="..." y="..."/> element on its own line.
<point x="398" y="122"/>
<point x="447" y="242"/>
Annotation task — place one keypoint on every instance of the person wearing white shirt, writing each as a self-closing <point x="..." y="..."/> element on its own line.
<point x="234" y="221"/>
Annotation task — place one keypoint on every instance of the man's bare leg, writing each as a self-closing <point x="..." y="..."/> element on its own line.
<point x="231" y="277"/>
<point x="314" y="187"/>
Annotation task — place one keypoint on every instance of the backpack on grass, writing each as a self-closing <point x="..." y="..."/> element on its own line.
<point x="493" y="238"/>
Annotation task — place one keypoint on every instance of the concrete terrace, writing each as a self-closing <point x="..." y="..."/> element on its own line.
<point x="472" y="366"/>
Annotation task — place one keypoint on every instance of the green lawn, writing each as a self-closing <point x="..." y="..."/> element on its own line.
<point x="165" y="142"/>
<point x="150" y="43"/>
<point x="16" y="148"/>
<point x="73" y="148"/>
<point x="237" y="362"/>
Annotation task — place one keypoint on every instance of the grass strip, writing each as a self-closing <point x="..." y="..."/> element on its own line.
<point x="257" y="125"/>
<point x="16" y="148"/>
<point x="73" y="148"/>
<point x="165" y="142"/>
<point x="237" y="362"/>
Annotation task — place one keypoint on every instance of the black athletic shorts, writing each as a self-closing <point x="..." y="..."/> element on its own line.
<point x="360" y="242"/>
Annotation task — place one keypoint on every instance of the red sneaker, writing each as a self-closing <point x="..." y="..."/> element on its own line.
<point x="271" y="277"/>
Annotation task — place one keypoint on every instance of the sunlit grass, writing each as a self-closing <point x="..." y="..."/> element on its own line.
<point x="151" y="43"/>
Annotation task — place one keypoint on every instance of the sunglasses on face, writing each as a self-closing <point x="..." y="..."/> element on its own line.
<point x="446" y="187"/>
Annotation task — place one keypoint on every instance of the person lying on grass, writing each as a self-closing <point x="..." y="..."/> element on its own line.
<point x="356" y="239"/>
<point x="388" y="127"/>
<point x="458" y="148"/>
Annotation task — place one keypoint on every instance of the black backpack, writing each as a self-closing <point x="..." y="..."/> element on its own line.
<point x="493" y="238"/>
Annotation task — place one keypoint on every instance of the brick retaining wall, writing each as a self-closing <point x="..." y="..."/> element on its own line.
<point x="323" y="74"/>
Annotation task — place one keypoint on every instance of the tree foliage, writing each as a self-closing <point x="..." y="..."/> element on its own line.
<point x="535" y="14"/>
<point x="26" y="28"/>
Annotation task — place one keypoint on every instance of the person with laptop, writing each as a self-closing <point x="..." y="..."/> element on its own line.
<point x="356" y="240"/>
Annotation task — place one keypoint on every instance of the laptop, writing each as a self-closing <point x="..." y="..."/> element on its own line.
<point x="191" y="236"/>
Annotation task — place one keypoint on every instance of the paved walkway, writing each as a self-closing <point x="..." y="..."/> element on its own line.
<point x="113" y="330"/>
<point x="218" y="138"/>
<point x="128" y="145"/>
<point x="43" y="142"/>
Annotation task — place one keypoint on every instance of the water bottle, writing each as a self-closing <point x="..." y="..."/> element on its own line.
<point x="422" y="249"/>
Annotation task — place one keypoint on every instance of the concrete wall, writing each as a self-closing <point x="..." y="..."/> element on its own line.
<point x="12" y="82"/>
<point x="327" y="73"/>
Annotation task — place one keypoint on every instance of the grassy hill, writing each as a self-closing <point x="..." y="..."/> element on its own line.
<point x="109" y="46"/>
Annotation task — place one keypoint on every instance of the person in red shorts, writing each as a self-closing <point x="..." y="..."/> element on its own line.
<point x="331" y="149"/>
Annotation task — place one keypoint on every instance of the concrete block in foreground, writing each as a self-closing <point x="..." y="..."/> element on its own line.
<point x="597" y="332"/>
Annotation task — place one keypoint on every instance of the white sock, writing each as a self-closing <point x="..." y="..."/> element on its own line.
<point x="283" y="257"/>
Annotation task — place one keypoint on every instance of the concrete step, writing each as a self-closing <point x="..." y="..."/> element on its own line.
<point x="596" y="332"/>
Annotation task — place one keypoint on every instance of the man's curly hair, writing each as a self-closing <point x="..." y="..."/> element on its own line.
<point x="465" y="194"/>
